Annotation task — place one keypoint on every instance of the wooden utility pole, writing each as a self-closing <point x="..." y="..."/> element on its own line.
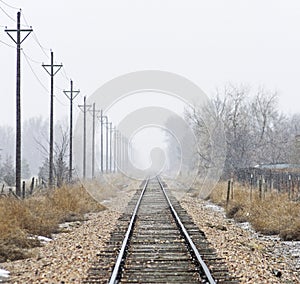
<point x="93" y="142"/>
<point x="94" y="111"/>
<point x="119" y="147"/>
<point x="101" y="140"/>
<point x="84" y="108"/>
<point x="115" y="148"/>
<point x="71" y="95"/>
<point x="110" y="146"/>
<point x="106" y="167"/>
<point x="52" y="69"/>
<point x="102" y="148"/>
<point x="102" y="117"/>
<point x="121" y="152"/>
<point x="18" y="41"/>
<point x="124" y="152"/>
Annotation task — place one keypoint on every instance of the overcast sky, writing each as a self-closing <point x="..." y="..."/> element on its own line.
<point x="256" y="42"/>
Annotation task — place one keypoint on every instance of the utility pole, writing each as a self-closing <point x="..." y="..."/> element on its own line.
<point x="101" y="140"/>
<point x="124" y="152"/>
<point x="120" y="152"/>
<point x="110" y="146"/>
<point x="84" y="108"/>
<point x="52" y="69"/>
<point x="106" y="167"/>
<point x="117" y="150"/>
<point x="71" y="95"/>
<point x="124" y="155"/>
<point x="93" y="139"/>
<point x="115" y="147"/>
<point x="102" y="117"/>
<point x="18" y="41"/>
<point x="93" y="143"/>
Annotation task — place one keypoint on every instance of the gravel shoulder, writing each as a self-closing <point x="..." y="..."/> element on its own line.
<point x="67" y="258"/>
<point x="251" y="259"/>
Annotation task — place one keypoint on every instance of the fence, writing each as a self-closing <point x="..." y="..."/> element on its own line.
<point x="283" y="181"/>
<point x="26" y="191"/>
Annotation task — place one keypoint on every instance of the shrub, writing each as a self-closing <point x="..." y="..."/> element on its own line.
<point x="274" y="214"/>
<point x="39" y="215"/>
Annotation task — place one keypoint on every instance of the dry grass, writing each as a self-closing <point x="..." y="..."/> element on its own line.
<point x="274" y="214"/>
<point x="39" y="215"/>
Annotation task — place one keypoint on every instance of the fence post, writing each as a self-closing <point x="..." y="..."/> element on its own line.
<point x="2" y="190"/>
<point x="23" y="190"/>
<point x="260" y="188"/>
<point x="289" y="185"/>
<point x="265" y="186"/>
<point x="31" y="185"/>
<point x="251" y="186"/>
<point x="231" y="182"/>
<point x="228" y="193"/>
<point x="298" y="185"/>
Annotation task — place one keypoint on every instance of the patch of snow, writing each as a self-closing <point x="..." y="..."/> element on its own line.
<point x="44" y="239"/>
<point x="245" y="225"/>
<point x="214" y="207"/>
<point x="4" y="274"/>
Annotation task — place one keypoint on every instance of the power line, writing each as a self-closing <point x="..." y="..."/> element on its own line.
<point x="44" y="49"/>
<point x="65" y="74"/>
<point x="7" y="44"/>
<point x="38" y="79"/>
<point x="39" y="44"/>
<point x="31" y="68"/>
<point x="10" y="6"/>
<point x="45" y="53"/>
<point x="24" y="18"/>
<point x="60" y="102"/>
<point x="32" y="60"/>
<point x="9" y="16"/>
<point x="59" y="88"/>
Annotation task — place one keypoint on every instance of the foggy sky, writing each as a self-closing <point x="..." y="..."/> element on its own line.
<point x="209" y="42"/>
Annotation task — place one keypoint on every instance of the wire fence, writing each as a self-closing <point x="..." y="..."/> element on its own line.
<point x="28" y="188"/>
<point x="270" y="180"/>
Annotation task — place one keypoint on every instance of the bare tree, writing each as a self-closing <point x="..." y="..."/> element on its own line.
<point x="60" y="150"/>
<point x="256" y="133"/>
<point x="264" y="111"/>
<point x="61" y="146"/>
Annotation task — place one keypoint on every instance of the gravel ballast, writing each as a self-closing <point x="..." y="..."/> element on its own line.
<point x="68" y="256"/>
<point x="251" y="258"/>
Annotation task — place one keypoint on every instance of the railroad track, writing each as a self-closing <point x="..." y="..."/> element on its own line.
<point x="156" y="241"/>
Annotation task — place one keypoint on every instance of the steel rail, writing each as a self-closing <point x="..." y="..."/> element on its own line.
<point x="117" y="267"/>
<point x="188" y="238"/>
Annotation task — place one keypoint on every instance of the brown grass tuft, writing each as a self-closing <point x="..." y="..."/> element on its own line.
<point x="39" y="215"/>
<point x="274" y="214"/>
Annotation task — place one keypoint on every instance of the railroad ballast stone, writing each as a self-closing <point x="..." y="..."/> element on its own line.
<point x="158" y="252"/>
<point x="251" y="260"/>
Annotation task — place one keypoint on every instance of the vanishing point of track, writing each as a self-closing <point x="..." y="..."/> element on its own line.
<point x="157" y="243"/>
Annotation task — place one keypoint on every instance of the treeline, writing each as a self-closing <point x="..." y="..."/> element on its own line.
<point x="35" y="151"/>
<point x="256" y="131"/>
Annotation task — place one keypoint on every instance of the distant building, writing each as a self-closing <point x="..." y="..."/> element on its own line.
<point x="282" y="166"/>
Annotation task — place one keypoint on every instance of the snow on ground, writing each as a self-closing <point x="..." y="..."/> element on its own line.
<point x="4" y="274"/>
